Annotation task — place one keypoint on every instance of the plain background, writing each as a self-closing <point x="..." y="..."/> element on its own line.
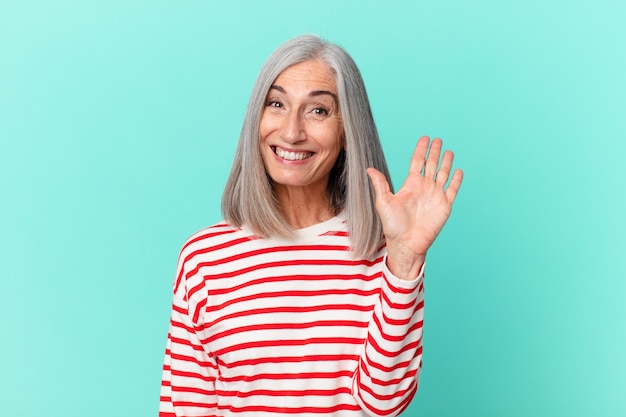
<point x="118" y="124"/>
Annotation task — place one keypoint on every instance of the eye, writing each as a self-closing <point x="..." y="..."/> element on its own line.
<point x="320" y="111"/>
<point x="274" y="103"/>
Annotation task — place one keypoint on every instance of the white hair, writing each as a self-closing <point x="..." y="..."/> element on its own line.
<point x="248" y="197"/>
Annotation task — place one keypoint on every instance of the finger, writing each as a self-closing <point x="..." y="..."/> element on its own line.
<point x="455" y="185"/>
<point x="419" y="156"/>
<point x="380" y="185"/>
<point x="433" y="158"/>
<point x="444" y="170"/>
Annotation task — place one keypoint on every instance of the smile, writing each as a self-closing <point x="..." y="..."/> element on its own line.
<point x="292" y="156"/>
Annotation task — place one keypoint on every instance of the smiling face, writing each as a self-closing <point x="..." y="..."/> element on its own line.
<point x="301" y="129"/>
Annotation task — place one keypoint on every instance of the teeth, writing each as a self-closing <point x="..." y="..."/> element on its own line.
<point x="293" y="156"/>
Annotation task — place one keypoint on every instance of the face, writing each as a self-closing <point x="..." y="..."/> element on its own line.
<point x="301" y="129"/>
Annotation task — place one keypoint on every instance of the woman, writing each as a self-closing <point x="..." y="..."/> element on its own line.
<point x="308" y="298"/>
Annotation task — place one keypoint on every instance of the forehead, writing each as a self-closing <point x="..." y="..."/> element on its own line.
<point x="313" y="75"/>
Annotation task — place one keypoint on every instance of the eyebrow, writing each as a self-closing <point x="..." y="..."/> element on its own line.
<point x="311" y="94"/>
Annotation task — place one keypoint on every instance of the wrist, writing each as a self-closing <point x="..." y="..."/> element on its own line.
<point x="404" y="264"/>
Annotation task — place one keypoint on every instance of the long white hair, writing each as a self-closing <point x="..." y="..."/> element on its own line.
<point x="248" y="197"/>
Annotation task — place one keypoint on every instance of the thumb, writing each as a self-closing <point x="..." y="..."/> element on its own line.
<point x="379" y="183"/>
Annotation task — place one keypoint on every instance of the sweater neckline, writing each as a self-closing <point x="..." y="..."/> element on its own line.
<point x="309" y="234"/>
<point x="312" y="232"/>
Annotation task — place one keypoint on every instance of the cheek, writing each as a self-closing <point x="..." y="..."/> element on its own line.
<point x="335" y="139"/>
<point x="266" y="126"/>
<point x="330" y="135"/>
<point x="263" y="129"/>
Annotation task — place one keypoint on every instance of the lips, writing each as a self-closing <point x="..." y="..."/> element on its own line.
<point x="291" y="156"/>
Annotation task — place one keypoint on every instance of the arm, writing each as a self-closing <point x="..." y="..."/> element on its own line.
<point x="388" y="373"/>
<point x="188" y="385"/>
<point x="412" y="218"/>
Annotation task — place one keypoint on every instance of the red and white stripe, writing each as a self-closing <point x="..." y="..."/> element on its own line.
<point x="268" y="327"/>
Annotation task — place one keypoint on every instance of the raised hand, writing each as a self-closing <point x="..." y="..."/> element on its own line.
<point x="413" y="217"/>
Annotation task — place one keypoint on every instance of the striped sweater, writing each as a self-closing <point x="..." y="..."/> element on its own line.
<point x="269" y="327"/>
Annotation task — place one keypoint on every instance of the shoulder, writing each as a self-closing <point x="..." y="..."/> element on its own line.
<point x="208" y="244"/>
<point x="218" y="236"/>
<point x="222" y="245"/>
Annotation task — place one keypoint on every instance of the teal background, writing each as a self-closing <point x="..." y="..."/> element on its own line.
<point x="118" y="124"/>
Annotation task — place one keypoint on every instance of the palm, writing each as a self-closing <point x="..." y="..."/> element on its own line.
<point x="413" y="217"/>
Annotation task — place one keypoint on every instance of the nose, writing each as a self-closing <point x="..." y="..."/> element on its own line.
<point x="293" y="128"/>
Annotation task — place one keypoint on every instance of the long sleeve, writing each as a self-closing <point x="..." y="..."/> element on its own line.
<point x="189" y="372"/>
<point x="388" y="372"/>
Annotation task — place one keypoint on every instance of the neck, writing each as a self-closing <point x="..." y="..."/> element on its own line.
<point x="303" y="208"/>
